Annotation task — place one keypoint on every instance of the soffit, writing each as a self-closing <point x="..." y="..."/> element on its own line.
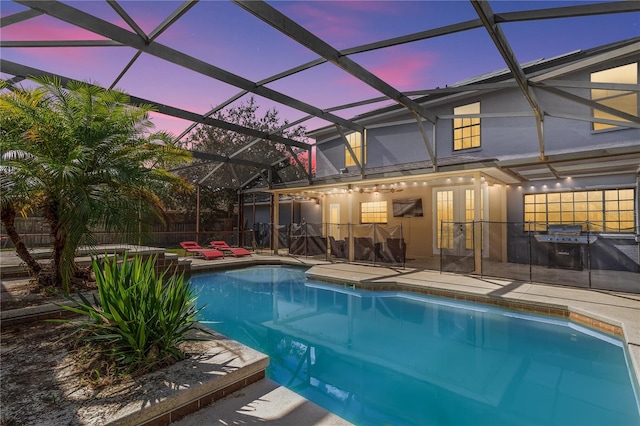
<point x="620" y="160"/>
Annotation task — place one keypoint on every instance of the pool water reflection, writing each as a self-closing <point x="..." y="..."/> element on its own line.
<point x="398" y="358"/>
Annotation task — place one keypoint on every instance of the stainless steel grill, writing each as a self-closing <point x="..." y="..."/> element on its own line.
<point x="566" y="234"/>
<point x="566" y="246"/>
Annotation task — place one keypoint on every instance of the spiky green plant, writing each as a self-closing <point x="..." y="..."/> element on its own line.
<point x="141" y="316"/>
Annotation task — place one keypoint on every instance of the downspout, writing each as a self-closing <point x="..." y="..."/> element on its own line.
<point x="276" y="223"/>
<point x="198" y="213"/>
<point x="240" y="219"/>
<point x="638" y="210"/>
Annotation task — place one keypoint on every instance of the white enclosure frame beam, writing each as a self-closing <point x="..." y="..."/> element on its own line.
<point x="18" y="17"/>
<point x="425" y="138"/>
<point x="596" y="105"/>
<point x="350" y="149"/>
<point x="184" y="7"/>
<point x="96" y="25"/>
<point x="22" y="70"/>
<point x="285" y="25"/>
<point x="488" y="19"/>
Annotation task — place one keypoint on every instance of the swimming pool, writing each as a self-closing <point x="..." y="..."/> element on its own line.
<point x="393" y="358"/>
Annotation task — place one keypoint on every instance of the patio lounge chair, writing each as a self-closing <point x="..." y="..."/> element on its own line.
<point x="397" y="248"/>
<point x="364" y="249"/>
<point x="337" y="247"/>
<point x="195" y="248"/>
<point x="236" y="251"/>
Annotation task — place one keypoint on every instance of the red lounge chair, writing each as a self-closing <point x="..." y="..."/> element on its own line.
<point x="195" y="248"/>
<point x="236" y="251"/>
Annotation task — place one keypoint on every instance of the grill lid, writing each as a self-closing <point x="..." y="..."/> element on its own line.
<point x="567" y="234"/>
<point x="564" y="229"/>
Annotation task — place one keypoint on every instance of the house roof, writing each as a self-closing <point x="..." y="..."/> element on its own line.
<point x="547" y="166"/>
<point x="503" y="78"/>
<point x="178" y="42"/>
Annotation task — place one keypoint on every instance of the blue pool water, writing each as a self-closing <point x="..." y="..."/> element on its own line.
<point x="388" y="358"/>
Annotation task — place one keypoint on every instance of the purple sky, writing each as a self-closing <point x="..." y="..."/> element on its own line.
<point x="224" y="35"/>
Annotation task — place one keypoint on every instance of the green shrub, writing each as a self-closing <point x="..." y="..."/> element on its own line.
<point x="141" y="317"/>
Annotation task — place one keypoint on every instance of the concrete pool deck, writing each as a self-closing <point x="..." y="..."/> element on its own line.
<point x="266" y="402"/>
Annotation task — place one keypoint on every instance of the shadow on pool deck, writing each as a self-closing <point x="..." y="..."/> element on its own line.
<point x="264" y="402"/>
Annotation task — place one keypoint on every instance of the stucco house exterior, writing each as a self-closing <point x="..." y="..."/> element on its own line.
<point x="493" y="165"/>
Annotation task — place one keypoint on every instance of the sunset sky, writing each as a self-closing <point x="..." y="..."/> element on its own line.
<point x="223" y="34"/>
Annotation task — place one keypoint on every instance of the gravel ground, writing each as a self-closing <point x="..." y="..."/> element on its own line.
<point x="43" y="383"/>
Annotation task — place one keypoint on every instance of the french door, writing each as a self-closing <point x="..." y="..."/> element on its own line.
<point x="453" y="219"/>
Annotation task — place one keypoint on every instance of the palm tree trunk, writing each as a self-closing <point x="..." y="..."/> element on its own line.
<point x="8" y="220"/>
<point x="59" y="240"/>
<point x="56" y="263"/>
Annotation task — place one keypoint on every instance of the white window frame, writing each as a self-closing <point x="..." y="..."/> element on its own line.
<point x="459" y="211"/>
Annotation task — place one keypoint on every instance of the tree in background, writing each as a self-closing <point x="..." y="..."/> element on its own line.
<point x="82" y="157"/>
<point x="219" y="190"/>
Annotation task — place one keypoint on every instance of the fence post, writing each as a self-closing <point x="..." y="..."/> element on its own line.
<point x="481" y="243"/>
<point x="403" y="244"/>
<point x="240" y="239"/>
<point x="198" y="213"/>
<point x="374" y="243"/>
<point x="589" y="251"/>
<point x="305" y="235"/>
<point x="326" y="228"/>
<point x="477" y="259"/>
<point x="440" y="243"/>
<point x="529" y="255"/>
<point x="275" y="212"/>
<point x="350" y="244"/>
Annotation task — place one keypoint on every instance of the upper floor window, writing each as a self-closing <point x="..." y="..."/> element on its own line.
<point x="355" y="142"/>
<point x="622" y="100"/>
<point x="610" y="210"/>
<point x="373" y="212"/>
<point x="466" y="131"/>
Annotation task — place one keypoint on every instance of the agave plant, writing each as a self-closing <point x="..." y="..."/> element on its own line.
<point x="141" y="317"/>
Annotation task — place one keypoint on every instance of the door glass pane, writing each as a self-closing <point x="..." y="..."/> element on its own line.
<point x="444" y="219"/>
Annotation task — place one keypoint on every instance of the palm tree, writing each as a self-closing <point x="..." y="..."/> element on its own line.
<point x="83" y="158"/>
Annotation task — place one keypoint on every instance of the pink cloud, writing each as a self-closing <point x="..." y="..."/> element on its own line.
<point x="48" y="28"/>
<point x="405" y="70"/>
<point x="402" y="67"/>
<point x="339" y="22"/>
<point x="45" y="28"/>
<point x="322" y="23"/>
<point x="385" y="7"/>
<point x="168" y="123"/>
<point x="66" y="56"/>
<point x="99" y="64"/>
